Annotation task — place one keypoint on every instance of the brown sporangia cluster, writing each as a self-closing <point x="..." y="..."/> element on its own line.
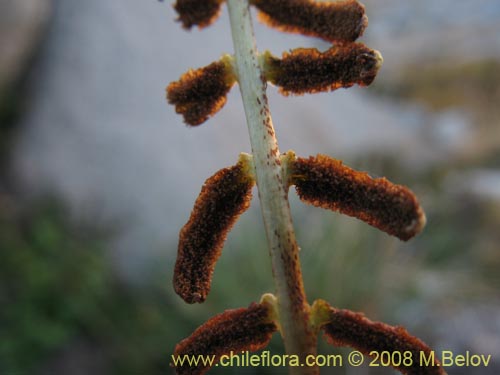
<point x="339" y="21"/>
<point x="307" y="70"/>
<point x="223" y="197"/>
<point x="347" y="328"/>
<point x="201" y="13"/>
<point x="244" y="329"/>
<point x="326" y="182"/>
<point x="201" y="93"/>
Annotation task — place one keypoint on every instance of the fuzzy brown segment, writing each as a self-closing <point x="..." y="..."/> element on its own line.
<point x="307" y="70"/>
<point x="245" y="329"/>
<point x="341" y="21"/>
<point x="201" y="93"/>
<point x="223" y="197"/>
<point x="201" y="13"/>
<point x="325" y="182"/>
<point x="347" y="328"/>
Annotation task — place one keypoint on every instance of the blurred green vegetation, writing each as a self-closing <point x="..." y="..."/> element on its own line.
<point x="57" y="289"/>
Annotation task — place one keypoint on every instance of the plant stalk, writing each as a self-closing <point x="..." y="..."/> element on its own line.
<point x="293" y="308"/>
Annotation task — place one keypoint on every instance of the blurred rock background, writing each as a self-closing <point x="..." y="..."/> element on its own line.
<point x="98" y="175"/>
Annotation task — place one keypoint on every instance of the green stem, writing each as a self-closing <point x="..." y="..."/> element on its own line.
<point x="293" y="308"/>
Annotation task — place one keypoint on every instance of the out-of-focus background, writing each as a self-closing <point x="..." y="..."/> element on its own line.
<point x="98" y="174"/>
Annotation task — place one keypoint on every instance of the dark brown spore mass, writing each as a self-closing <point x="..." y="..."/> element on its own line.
<point x="325" y="182"/>
<point x="223" y="197"/>
<point x="233" y="330"/>
<point x="342" y="21"/>
<point x="307" y="70"/>
<point x="201" y="13"/>
<point x="200" y="93"/>
<point x="347" y="328"/>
